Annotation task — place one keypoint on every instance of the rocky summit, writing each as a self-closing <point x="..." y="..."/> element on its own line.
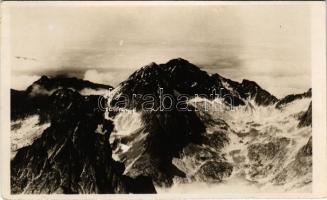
<point x="171" y="145"/>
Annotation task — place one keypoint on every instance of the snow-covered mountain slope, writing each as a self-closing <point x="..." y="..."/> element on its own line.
<point x="266" y="145"/>
<point x="262" y="146"/>
<point x="25" y="131"/>
<point x="254" y="140"/>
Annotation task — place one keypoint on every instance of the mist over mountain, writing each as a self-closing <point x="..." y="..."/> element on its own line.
<point x="64" y="142"/>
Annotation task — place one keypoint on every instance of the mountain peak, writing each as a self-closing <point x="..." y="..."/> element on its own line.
<point x="178" y="61"/>
<point x="150" y="65"/>
<point x="44" y="78"/>
<point x="249" y="83"/>
<point x="46" y="85"/>
<point x="182" y="65"/>
<point x="173" y="63"/>
<point x="250" y="89"/>
<point x="177" y="76"/>
<point x="181" y="76"/>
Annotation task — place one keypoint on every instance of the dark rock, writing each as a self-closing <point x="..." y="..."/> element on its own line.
<point x="23" y="105"/>
<point x="300" y="167"/>
<point x="259" y="152"/>
<point x="250" y="90"/>
<point x="35" y="99"/>
<point x="306" y="118"/>
<point x="139" y="185"/>
<point x="168" y="132"/>
<point x="306" y="150"/>
<point x="49" y="84"/>
<point x="70" y="156"/>
<point x="176" y="78"/>
<point x="213" y="171"/>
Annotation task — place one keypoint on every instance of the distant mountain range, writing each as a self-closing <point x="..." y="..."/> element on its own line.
<point x="154" y="148"/>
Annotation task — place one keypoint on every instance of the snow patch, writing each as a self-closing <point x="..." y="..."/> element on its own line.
<point x="25" y="131"/>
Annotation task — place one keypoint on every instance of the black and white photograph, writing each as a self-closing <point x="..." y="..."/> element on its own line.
<point x="163" y="98"/>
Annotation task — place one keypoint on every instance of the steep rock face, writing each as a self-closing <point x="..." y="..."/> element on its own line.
<point x="167" y="132"/>
<point x="73" y="155"/>
<point x="23" y="105"/>
<point x="306" y="118"/>
<point x="250" y="89"/>
<point x="298" y="169"/>
<point x="153" y="146"/>
<point x="292" y="97"/>
<point x="266" y="156"/>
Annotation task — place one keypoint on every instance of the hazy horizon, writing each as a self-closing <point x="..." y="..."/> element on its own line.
<point x="267" y="44"/>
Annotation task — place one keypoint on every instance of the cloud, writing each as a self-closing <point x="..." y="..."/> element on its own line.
<point x="104" y="46"/>
<point x="93" y="76"/>
<point x="112" y="78"/>
<point x="21" y="82"/>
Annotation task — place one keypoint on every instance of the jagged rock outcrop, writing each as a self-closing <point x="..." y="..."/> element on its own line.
<point x="250" y="89"/>
<point x="298" y="169"/>
<point x="73" y="155"/>
<point x="292" y="97"/>
<point x="306" y="118"/>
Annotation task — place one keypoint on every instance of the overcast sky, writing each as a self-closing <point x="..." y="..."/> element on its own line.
<point x="268" y="44"/>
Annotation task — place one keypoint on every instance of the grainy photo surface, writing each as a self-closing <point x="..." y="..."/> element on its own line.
<point x="167" y="99"/>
